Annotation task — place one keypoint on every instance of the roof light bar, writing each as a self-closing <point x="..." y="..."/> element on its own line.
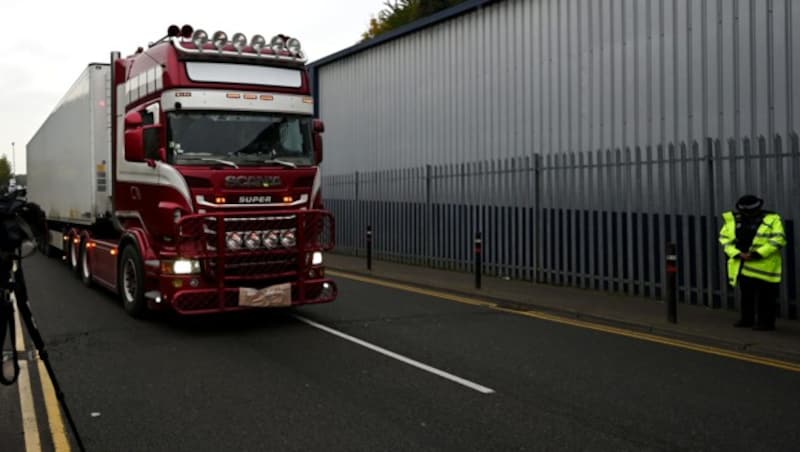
<point x="282" y="47"/>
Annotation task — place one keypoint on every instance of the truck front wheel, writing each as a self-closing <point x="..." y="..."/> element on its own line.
<point x="131" y="282"/>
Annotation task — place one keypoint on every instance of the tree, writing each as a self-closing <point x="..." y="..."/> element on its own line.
<point x="401" y="12"/>
<point x="5" y="171"/>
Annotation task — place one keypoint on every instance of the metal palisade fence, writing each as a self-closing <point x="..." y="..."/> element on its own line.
<point x="591" y="219"/>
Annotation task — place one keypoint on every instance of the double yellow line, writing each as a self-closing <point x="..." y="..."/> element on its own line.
<point x="30" y="424"/>
<point x="785" y="365"/>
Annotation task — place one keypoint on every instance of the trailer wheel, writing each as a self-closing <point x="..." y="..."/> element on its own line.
<point x="86" y="270"/>
<point x="131" y="282"/>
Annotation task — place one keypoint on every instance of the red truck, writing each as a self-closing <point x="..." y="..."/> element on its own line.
<point x="186" y="176"/>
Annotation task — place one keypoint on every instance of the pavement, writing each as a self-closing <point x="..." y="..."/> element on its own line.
<point x="697" y="324"/>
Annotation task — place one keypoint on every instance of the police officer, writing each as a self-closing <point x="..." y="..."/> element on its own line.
<point x="752" y="239"/>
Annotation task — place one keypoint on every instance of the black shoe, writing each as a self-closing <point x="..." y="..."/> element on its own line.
<point x="743" y="324"/>
<point x="764" y="327"/>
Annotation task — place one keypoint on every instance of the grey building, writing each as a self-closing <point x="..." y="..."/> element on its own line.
<point x="578" y="136"/>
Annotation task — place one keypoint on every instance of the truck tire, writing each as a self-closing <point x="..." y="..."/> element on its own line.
<point x="131" y="282"/>
<point x="85" y="267"/>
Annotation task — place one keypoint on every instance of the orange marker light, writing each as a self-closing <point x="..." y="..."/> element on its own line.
<point x="250" y="96"/>
<point x="288" y="199"/>
<point x="183" y="94"/>
<point x="113" y="251"/>
<point x="308" y="100"/>
<point x="234" y="96"/>
<point x="76" y="240"/>
<point x="220" y="200"/>
<point x="267" y="97"/>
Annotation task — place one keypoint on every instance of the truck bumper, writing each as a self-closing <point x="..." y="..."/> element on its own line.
<point x="216" y="300"/>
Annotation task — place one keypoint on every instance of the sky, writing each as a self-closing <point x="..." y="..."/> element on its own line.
<point x="45" y="45"/>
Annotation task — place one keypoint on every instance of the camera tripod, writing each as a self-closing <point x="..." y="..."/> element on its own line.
<point x="12" y="280"/>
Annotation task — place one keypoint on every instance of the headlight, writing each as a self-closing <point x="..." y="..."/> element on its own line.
<point x="316" y="258"/>
<point x="181" y="267"/>
<point x="234" y="240"/>
<point x="186" y="267"/>
<point x="288" y="239"/>
<point x="271" y="239"/>
<point x="253" y="240"/>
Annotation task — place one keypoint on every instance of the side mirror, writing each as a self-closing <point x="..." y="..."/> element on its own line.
<point x="319" y="128"/>
<point x="134" y="145"/>
<point x="134" y="137"/>
<point x="133" y="120"/>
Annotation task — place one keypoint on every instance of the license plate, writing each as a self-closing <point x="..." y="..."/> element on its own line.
<point x="279" y="295"/>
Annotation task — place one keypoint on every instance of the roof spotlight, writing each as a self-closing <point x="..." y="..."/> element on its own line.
<point x="239" y="40"/>
<point x="294" y="45"/>
<point x="277" y="43"/>
<point x="199" y="38"/>
<point x="186" y="31"/>
<point x="257" y="42"/>
<point x="219" y="39"/>
<point x="173" y="31"/>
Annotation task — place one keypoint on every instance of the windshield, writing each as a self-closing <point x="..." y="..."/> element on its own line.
<point x="241" y="138"/>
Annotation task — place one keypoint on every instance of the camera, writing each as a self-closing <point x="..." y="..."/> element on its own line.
<point x="22" y="223"/>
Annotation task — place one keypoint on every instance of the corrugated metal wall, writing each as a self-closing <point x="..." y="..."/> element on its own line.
<point x="577" y="135"/>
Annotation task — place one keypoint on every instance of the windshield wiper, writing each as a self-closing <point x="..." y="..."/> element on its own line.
<point x="224" y="162"/>
<point x="207" y="159"/>
<point x="281" y="162"/>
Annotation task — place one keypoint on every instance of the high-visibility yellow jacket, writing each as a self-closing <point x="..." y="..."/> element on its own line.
<point x="769" y="240"/>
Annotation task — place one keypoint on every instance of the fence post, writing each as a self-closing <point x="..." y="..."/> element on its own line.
<point x="369" y="247"/>
<point x="478" y="259"/>
<point x="671" y="283"/>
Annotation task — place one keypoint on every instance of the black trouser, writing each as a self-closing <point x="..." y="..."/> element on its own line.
<point x="756" y="292"/>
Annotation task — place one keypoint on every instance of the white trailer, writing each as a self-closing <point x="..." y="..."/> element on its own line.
<point x="69" y="157"/>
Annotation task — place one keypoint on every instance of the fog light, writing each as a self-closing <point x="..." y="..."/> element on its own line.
<point x="271" y="240"/>
<point x="177" y="283"/>
<point x="234" y="241"/>
<point x="253" y="240"/>
<point x="194" y="282"/>
<point x="288" y="239"/>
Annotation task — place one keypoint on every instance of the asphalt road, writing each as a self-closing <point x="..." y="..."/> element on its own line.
<point x="274" y="380"/>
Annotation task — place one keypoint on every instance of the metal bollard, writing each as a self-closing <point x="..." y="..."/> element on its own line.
<point x="672" y="283"/>
<point x="478" y="260"/>
<point x="369" y="248"/>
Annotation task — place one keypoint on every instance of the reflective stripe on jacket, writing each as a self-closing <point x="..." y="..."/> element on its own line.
<point x="769" y="240"/>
